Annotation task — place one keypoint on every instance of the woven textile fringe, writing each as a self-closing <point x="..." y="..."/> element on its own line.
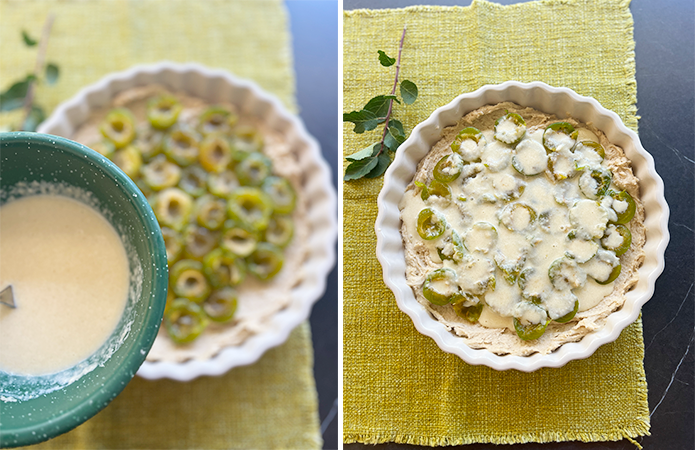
<point x="436" y="441"/>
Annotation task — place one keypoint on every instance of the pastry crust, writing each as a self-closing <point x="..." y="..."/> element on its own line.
<point x="504" y="341"/>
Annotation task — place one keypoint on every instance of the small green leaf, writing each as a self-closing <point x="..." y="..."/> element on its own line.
<point x="359" y="169"/>
<point x="52" y="73"/>
<point x="383" y="161"/>
<point x="34" y="118"/>
<point x="368" y="151"/>
<point x="393" y="139"/>
<point x="363" y="120"/>
<point x="13" y="97"/>
<point x="28" y="40"/>
<point x="379" y="105"/>
<point x="409" y="91"/>
<point x="398" y="127"/>
<point x="385" y="60"/>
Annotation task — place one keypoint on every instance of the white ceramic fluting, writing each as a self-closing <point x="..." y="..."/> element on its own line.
<point x="563" y="103"/>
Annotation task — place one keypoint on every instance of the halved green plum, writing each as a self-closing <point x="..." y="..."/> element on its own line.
<point x="215" y="153"/>
<point x="118" y="127"/>
<point x="163" y="111"/>
<point x="221" y="304"/>
<point x="188" y="281"/>
<point x="440" y="287"/>
<point x="210" y="212"/>
<point x="431" y="224"/>
<point x="250" y="206"/>
<point x="222" y="268"/>
<point x="280" y="230"/>
<point x="184" y="321"/>
<point x="266" y="261"/>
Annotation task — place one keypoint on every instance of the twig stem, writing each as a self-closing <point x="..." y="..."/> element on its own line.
<point x="40" y="57"/>
<point x="393" y="91"/>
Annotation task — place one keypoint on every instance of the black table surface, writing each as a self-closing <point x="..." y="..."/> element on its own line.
<point x="664" y="35"/>
<point x="314" y="29"/>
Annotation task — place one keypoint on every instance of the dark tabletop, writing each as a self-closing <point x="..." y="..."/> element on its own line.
<point x="664" y="35"/>
<point x="314" y="28"/>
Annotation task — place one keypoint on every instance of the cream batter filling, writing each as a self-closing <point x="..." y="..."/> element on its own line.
<point x="70" y="276"/>
<point x="531" y="207"/>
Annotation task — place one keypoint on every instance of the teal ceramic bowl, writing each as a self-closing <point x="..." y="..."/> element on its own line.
<point x="37" y="408"/>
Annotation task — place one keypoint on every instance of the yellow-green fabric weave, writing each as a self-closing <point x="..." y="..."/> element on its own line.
<point x="273" y="403"/>
<point x="268" y="405"/>
<point x="89" y="39"/>
<point x="398" y="385"/>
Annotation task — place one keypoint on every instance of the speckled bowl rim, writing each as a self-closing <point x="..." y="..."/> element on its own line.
<point x="562" y="102"/>
<point x="199" y="80"/>
<point x="87" y="407"/>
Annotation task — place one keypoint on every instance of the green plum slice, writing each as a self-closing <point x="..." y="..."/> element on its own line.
<point x="245" y="140"/>
<point x="266" y="261"/>
<point x="440" y="287"/>
<point x="222" y="184"/>
<point x="173" y="208"/>
<point x="160" y="173"/>
<point x="221" y="305"/>
<point x="188" y="281"/>
<point x="194" y="180"/>
<point x="448" y="168"/>
<point x="594" y="183"/>
<point x="184" y="321"/>
<point x="129" y="160"/>
<point x="198" y="241"/>
<point x="238" y="239"/>
<point x="281" y="192"/>
<point x="624" y="205"/>
<point x="216" y="120"/>
<point x="431" y="224"/>
<point x="556" y="133"/>
<point x="530" y="332"/>
<point x="470" y="313"/>
<point x="611" y="241"/>
<point x="118" y="127"/>
<point x="250" y="206"/>
<point x="280" y="230"/>
<point x="253" y="170"/>
<point x="215" y="153"/>
<point x="469" y="144"/>
<point x="568" y="317"/>
<point x="222" y="268"/>
<point x="181" y="146"/>
<point x="616" y="271"/>
<point x="510" y="128"/>
<point x="436" y="187"/>
<point x="211" y="212"/>
<point x="163" y="111"/>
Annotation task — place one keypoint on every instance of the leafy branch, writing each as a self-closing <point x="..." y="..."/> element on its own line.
<point x="21" y="93"/>
<point x="372" y="161"/>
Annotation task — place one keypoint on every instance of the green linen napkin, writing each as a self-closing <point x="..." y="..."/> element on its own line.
<point x="398" y="385"/>
<point x="273" y="403"/>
